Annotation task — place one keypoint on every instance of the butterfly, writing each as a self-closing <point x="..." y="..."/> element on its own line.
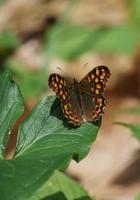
<point x="82" y="101"/>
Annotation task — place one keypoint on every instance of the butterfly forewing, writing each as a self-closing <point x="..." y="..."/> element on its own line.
<point x="92" y="89"/>
<point x="95" y="81"/>
<point x="60" y="86"/>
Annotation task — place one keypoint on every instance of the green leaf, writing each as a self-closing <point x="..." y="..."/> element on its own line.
<point x="60" y="185"/>
<point x="46" y="129"/>
<point x="20" y="178"/>
<point x="11" y="107"/>
<point x="46" y="142"/>
<point x="1" y="2"/>
<point x="69" y="42"/>
<point x="137" y="197"/>
<point x="134" y="8"/>
<point x="123" y="39"/>
<point x="32" y="83"/>
<point x="8" y="42"/>
<point x="135" y="128"/>
<point x="56" y="196"/>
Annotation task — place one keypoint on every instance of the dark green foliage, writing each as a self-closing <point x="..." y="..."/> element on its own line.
<point x="46" y="142"/>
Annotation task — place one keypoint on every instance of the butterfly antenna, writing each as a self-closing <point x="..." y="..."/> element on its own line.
<point x="62" y="71"/>
<point x="85" y="65"/>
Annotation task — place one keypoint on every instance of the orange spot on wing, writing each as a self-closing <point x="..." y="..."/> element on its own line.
<point x="97" y="91"/>
<point x="61" y="92"/>
<point x="103" y="73"/>
<point x="60" y="86"/>
<point x="98" y="86"/>
<point x="57" y="79"/>
<point x="65" y="83"/>
<point x="55" y="85"/>
<point x="89" y="79"/>
<point x="96" y="80"/>
<point x="66" y="107"/>
<point x="97" y="72"/>
<point x="92" y="76"/>
<point x="63" y="96"/>
<point x="61" y="81"/>
<point x="102" y="77"/>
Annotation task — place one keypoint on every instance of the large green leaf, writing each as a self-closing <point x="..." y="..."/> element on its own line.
<point x="46" y="129"/>
<point x="135" y="128"/>
<point x="11" y="107"/>
<point x="46" y="142"/>
<point x="61" y="185"/>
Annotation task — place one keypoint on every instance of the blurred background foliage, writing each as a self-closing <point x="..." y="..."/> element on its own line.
<point x="38" y="36"/>
<point x="60" y="36"/>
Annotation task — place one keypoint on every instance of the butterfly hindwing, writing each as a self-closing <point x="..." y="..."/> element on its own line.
<point x="70" y="113"/>
<point x="99" y="108"/>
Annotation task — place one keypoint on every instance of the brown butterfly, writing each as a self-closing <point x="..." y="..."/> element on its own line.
<point x="82" y="101"/>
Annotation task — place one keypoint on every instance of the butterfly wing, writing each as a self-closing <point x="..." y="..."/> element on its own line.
<point x="96" y="80"/>
<point x="65" y="91"/>
<point x="60" y="86"/>
<point x="92" y="92"/>
<point x="91" y="88"/>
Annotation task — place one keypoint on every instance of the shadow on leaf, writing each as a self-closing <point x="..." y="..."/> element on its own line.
<point x="56" y="196"/>
<point x="83" y="198"/>
<point x="56" y="111"/>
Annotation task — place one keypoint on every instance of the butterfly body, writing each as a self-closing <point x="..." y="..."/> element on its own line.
<point x="76" y="98"/>
<point x="82" y="101"/>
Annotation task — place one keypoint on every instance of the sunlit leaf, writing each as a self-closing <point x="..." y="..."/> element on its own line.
<point x="60" y="185"/>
